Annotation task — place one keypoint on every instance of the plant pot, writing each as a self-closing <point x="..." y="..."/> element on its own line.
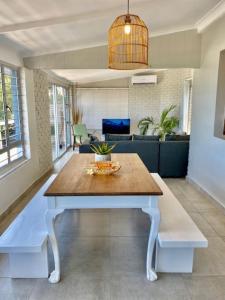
<point x="99" y="157"/>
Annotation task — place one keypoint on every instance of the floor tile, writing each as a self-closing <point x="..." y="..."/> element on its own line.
<point x="127" y="222"/>
<point x="12" y="296"/>
<point x="203" y="225"/>
<point x="217" y="220"/>
<point x="136" y="288"/>
<point x="73" y="287"/>
<point x="17" y="287"/>
<point x="205" y="288"/>
<point x="85" y="256"/>
<point x="203" y="204"/>
<point x="128" y="255"/>
<point x="211" y="260"/>
<point x="82" y="223"/>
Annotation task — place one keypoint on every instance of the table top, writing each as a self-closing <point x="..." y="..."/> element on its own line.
<point x="132" y="179"/>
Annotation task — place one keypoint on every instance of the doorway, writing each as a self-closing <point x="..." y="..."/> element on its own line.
<point x="59" y="120"/>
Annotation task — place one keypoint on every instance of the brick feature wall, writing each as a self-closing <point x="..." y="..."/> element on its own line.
<point x="42" y="120"/>
<point x="150" y="100"/>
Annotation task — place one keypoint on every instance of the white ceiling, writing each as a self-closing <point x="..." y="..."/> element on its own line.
<point x="94" y="75"/>
<point x="48" y="26"/>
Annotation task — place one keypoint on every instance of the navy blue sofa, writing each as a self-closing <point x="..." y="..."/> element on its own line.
<point x="169" y="158"/>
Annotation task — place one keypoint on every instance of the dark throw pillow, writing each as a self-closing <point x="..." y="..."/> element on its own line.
<point x="118" y="137"/>
<point x="176" y="137"/>
<point x="137" y="137"/>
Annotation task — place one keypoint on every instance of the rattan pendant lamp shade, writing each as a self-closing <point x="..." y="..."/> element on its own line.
<point x="128" y="43"/>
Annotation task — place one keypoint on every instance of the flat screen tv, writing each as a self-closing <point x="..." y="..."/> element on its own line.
<point x="116" y="126"/>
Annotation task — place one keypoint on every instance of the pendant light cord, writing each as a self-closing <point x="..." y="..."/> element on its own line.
<point x="128" y="7"/>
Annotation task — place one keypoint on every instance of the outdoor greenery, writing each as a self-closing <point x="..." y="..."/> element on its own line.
<point x="10" y="91"/>
<point x="102" y="149"/>
<point x="165" y="126"/>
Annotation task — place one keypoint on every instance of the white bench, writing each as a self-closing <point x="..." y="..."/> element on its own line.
<point x="178" y="235"/>
<point x="24" y="244"/>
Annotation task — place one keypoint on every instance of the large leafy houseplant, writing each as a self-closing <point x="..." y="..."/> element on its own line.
<point x="144" y="124"/>
<point x="166" y="124"/>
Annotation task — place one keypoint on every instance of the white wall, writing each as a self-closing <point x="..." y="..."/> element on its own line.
<point x="135" y="102"/>
<point x="97" y="104"/>
<point x="151" y="100"/>
<point x="7" y="54"/>
<point x="207" y="153"/>
<point x="17" y="181"/>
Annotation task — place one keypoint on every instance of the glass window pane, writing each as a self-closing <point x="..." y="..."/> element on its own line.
<point x="15" y="138"/>
<point x="11" y="89"/>
<point x="10" y="116"/>
<point x="16" y="153"/>
<point x="3" y="142"/>
<point x="61" y="119"/>
<point x="52" y="122"/>
<point x="2" y="113"/>
<point x="3" y="159"/>
<point x="10" y="72"/>
<point x="12" y="101"/>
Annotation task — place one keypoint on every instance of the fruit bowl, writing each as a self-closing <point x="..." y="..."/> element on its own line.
<point x="103" y="168"/>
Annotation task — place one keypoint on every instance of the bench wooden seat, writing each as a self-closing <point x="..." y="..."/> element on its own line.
<point x="178" y="235"/>
<point x="25" y="240"/>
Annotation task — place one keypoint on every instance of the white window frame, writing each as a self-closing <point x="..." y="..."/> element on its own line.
<point x="185" y="117"/>
<point x="10" y="145"/>
<point x="54" y="86"/>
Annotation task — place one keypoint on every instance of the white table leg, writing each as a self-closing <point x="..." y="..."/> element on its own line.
<point x="154" y="214"/>
<point x="55" y="275"/>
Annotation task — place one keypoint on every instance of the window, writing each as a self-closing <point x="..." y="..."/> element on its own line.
<point x="11" y="137"/>
<point x="186" y="107"/>
<point x="59" y="120"/>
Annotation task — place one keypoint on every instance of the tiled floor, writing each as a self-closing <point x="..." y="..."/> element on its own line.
<point x="103" y="256"/>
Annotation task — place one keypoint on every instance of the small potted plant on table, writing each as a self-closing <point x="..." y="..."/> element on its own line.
<point x="102" y="151"/>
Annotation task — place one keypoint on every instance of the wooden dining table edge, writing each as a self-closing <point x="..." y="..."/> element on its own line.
<point x="102" y="194"/>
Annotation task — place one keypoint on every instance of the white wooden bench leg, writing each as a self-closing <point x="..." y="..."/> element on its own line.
<point x="55" y="275"/>
<point x="174" y="260"/>
<point x="29" y="265"/>
<point x="154" y="214"/>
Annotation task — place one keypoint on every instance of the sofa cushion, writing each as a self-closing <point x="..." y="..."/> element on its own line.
<point x="137" y="137"/>
<point x="173" y="159"/>
<point x="176" y="137"/>
<point x="118" y="137"/>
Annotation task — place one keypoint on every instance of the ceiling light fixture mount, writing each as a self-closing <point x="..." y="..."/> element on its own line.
<point x="128" y="42"/>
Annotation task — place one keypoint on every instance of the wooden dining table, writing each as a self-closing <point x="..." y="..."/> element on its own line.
<point x="131" y="187"/>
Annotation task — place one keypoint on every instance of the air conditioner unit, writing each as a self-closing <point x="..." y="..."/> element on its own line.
<point x="144" y="79"/>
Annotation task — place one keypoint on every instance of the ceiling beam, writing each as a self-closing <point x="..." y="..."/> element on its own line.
<point x="87" y="17"/>
<point x="77" y="18"/>
<point x="177" y="50"/>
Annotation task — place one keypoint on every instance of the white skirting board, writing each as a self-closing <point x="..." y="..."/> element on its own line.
<point x="174" y="260"/>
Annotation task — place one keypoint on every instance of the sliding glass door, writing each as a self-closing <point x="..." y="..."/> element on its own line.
<point x="59" y="120"/>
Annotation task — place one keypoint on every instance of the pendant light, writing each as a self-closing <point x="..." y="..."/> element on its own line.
<point x="128" y="43"/>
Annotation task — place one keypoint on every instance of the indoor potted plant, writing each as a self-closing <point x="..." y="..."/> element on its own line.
<point x="144" y="124"/>
<point x="167" y="124"/>
<point x="102" y="151"/>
